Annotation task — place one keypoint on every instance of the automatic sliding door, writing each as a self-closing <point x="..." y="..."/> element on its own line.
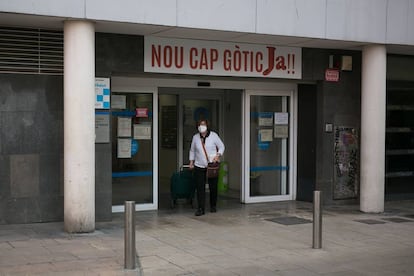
<point x="194" y="110"/>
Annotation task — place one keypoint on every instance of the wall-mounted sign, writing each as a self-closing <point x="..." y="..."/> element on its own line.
<point x="182" y="56"/>
<point x="102" y="127"/>
<point x="332" y="75"/>
<point x="102" y="93"/>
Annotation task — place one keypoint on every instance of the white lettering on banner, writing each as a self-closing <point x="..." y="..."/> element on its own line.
<point x="182" y="56"/>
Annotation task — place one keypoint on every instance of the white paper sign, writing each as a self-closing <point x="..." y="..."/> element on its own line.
<point x="281" y="131"/>
<point x="281" y="118"/>
<point x="102" y="128"/>
<point x="265" y="135"/>
<point x="118" y="101"/>
<point x="124" y="127"/>
<point x="124" y="148"/>
<point x="263" y="121"/>
<point x="142" y="132"/>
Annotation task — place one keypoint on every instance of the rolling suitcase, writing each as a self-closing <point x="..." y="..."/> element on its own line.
<point x="182" y="186"/>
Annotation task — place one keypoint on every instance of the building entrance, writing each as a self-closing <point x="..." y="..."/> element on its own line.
<point x="255" y="120"/>
<point x="179" y="110"/>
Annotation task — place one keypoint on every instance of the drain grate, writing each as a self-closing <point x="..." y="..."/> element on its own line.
<point x="370" y="221"/>
<point x="289" y="220"/>
<point x="397" y="220"/>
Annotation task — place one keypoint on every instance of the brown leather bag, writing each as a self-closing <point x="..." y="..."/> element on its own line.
<point x="212" y="167"/>
<point x="213" y="170"/>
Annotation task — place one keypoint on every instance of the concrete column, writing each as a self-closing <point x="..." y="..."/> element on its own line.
<point x="373" y="114"/>
<point x="79" y="126"/>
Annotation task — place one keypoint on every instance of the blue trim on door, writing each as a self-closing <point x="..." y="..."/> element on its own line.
<point x="269" y="168"/>
<point x="131" y="174"/>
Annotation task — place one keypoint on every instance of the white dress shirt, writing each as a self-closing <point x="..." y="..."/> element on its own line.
<point x="213" y="145"/>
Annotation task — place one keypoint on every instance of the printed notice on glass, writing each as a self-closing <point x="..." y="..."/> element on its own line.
<point x="281" y="118"/>
<point x="101" y="128"/>
<point x="124" y="127"/>
<point x="142" y="132"/>
<point x="281" y="131"/>
<point x="118" y="101"/>
<point x="265" y="118"/>
<point x="124" y="148"/>
<point x="265" y="135"/>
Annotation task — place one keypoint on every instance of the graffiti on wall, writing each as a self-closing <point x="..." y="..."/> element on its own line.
<point x="346" y="154"/>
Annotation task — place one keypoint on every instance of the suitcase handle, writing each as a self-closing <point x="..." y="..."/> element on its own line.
<point x="184" y="167"/>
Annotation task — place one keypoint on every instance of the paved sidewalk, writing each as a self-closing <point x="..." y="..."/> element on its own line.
<point x="238" y="240"/>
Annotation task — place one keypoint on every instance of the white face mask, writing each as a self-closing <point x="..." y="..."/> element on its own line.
<point x="202" y="128"/>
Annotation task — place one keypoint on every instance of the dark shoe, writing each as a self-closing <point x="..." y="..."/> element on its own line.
<point x="213" y="209"/>
<point x="199" y="212"/>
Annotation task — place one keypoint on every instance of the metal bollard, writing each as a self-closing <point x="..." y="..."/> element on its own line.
<point x="317" y="220"/>
<point x="130" y="250"/>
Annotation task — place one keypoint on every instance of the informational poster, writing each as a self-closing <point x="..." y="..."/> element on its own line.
<point x="265" y="135"/>
<point x="142" y="131"/>
<point x="124" y="148"/>
<point x="124" y="127"/>
<point x="118" y="101"/>
<point x="102" y="93"/>
<point x="265" y="119"/>
<point x="281" y="131"/>
<point x="281" y="118"/>
<point x="102" y="127"/>
<point x="346" y="154"/>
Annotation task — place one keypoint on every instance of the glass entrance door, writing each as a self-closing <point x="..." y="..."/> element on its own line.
<point x="133" y="146"/>
<point x="180" y="108"/>
<point x="268" y="134"/>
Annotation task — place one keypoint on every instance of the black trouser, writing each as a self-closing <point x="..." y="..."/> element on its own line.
<point x="200" y="179"/>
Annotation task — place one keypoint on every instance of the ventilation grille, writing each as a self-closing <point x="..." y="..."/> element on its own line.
<point x="31" y="51"/>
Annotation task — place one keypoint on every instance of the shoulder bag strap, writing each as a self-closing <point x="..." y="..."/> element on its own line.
<point x="205" y="152"/>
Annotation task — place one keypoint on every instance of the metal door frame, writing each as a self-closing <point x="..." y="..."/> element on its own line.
<point x="154" y="92"/>
<point x="291" y="150"/>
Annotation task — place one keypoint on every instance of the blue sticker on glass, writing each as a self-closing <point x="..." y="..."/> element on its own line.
<point x="263" y="145"/>
<point x="134" y="147"/>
